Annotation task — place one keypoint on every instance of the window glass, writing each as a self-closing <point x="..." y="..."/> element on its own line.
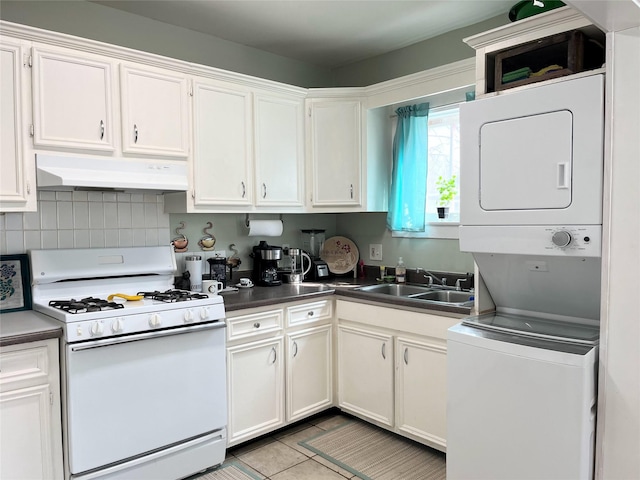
<point x="444" y="157"/>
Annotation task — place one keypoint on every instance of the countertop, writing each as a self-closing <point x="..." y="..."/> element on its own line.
<point x="27" y="326"/>
<point x="263" y="296"/>
<point x="31" y="326"/>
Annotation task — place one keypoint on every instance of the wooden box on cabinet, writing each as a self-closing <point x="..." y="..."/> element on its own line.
<point x="574" y="51"/>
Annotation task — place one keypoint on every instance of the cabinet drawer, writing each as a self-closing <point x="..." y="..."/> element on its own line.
<point x="252" y="325"/>
<point x="309" y="312"/>
<point x="24" y="366"/>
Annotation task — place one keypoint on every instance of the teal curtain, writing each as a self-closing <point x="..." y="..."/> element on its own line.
<point x="408" y="193"/>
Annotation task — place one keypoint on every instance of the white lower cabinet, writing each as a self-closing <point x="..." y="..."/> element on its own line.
<point x="309" y="373"/>
<point x="270" y="386"/>
<point x="392" y="369"/>
<point x="31" y="434"/>
<point x="255" y="388"/>
<point x="365" y="373"/>
<point x="421" y="394"/>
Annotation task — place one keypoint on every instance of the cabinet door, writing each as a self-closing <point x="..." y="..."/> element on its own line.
<point x="255" y="387"/>
<point x="365" y="373"/>
<point x="222" y="145"/>
<point x="31" y="433"/>
<point x="421" y="390"/>
<point x="336" y="153"/>
<point x="27" y="449"/>
<point x="154" y="112"/>
<point x="309" y="372"/>
<point x="15" y="184"/>
<point x="72" y="101"/>
<point x="279" y="152"/>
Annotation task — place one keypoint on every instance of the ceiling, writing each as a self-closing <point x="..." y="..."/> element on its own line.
<point x="327" y="33"/>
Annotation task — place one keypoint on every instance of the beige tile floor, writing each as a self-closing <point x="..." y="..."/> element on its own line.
<point x="279" y="457"/>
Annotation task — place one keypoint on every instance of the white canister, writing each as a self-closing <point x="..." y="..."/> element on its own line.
<point x="194" y="267"/>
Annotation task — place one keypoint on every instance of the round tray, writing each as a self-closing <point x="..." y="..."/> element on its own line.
<point x="341" y="255"/>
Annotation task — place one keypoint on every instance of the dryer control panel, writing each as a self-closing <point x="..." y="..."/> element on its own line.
<point x="555" y="240"/>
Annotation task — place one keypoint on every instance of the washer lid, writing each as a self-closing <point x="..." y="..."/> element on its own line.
<point x="544" y="328"/>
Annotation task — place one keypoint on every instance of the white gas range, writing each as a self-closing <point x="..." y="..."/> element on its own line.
<point x="144" y="380"/>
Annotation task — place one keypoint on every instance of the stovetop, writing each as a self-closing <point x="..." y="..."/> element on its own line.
<point x="79" y="287"/>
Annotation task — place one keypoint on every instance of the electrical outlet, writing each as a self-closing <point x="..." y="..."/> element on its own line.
<point x="285" y="247"/>
<point x="375" y="251"/>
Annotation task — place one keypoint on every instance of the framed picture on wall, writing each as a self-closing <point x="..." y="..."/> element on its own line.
<point x="15" y="283"/>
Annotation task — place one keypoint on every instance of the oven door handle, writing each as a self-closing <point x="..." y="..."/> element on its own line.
<point x="107" y="342"/>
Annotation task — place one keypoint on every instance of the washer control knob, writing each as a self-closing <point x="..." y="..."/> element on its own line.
<point x="561" y="238"/>
<point x="117" y="325"/>
<point x="188" y="315"/>
<point x="96" y="329"/>
<point x="154" y="320"/>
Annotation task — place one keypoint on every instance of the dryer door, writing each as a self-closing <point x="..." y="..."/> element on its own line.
<point x="536" y="171"/>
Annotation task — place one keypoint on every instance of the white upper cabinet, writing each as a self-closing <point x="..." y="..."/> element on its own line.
<point x="222" y="166"/>
<point x="155" y="109"/>
<point x="279" y="150"/>
<point x="72" y="101"/>
<point x="335" y="150"/>
<point x="17" y="186"/>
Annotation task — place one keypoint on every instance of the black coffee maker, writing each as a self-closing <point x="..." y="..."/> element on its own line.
<point x="265" y="264"/>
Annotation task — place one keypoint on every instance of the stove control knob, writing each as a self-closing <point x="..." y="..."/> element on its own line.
<point x="561" y="238"/>
<point x="204" y="313"/>
<point x="154" y="320"/>
<point x="96" y="329"/>
<point x="117" y="325"/>
<point x="188" y="316"/>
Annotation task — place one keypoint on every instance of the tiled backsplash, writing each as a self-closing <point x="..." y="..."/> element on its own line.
<point x="87" y="219"/>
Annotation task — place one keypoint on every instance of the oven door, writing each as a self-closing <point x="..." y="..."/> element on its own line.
<point x="130" y="395"/>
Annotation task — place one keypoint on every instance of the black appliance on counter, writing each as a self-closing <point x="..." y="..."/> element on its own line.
<point x="265" y="264"/>
<point x="319" y="270"/>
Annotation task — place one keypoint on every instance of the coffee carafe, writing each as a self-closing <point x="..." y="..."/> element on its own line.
<point x="265" y="264"/>
<point x="296" y="270"/>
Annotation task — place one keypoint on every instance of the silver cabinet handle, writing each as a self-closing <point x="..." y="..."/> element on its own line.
<point x="351" y="190"/>
<point x="244" y="189"/>
<point x="295" y="345"/>
<point x="406" y="356"/>
<point x="256" y="325"/>
<point x="101" y="129"/>
<point x="275" y="355"/>
<point x="384" y="353"/>
<point x="264" y="190"/>
<point x="135" y="133"/>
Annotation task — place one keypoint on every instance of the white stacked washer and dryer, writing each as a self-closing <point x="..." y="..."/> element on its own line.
<point x="522" y="379"/>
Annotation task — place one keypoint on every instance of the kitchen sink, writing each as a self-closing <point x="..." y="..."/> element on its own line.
<point x="397" y="290"/>
<point x="421" y="294"/>
<point x="447" y="296"/>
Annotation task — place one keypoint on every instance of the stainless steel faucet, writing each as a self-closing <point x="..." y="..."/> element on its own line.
<point x="458" y="282"/>
<point x="431" y="277"/>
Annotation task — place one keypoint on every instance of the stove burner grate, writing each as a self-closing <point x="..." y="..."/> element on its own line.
<point x="84" y="305"/>
<point x="173" y="295"/>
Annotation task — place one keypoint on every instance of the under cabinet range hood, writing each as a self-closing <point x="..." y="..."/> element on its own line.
<point x="83" y="173"/>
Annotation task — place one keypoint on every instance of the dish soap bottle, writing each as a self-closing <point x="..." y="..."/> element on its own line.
<point x="401" y="272"/>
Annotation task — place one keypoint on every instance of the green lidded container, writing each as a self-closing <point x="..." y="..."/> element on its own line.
<point x="528" y="8"/>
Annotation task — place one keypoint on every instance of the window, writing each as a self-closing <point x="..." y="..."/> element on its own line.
<point x="443" y="160"/>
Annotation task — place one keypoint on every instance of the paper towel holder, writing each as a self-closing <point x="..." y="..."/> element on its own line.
<point x="246" y="220"/>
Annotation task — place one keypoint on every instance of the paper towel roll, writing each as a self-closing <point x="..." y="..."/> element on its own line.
<point x="265" y="228"/>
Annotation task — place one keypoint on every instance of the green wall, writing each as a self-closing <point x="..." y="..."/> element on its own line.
<point x="424" y="55"/>
<point x="104" y="24"/>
